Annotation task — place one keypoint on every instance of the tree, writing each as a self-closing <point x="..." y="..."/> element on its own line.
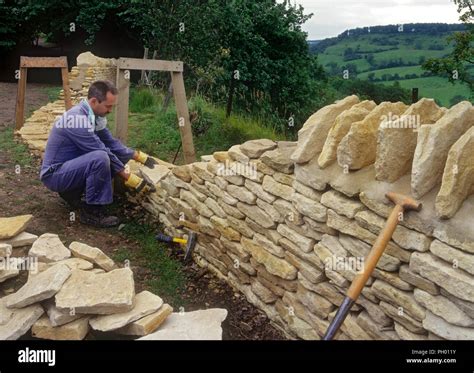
<point x="456" y="65"/>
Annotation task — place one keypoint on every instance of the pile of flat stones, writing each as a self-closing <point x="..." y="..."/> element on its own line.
<point x="70" y="291"/>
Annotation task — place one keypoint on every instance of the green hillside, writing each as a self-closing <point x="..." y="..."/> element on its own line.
<point x="385" y="55"/>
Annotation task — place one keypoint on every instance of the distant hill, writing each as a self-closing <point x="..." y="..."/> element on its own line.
<point x="385" y="54"/>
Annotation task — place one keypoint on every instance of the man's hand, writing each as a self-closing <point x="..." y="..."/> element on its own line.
<point x="139" y="185"/>
<point x="145" y="159"/>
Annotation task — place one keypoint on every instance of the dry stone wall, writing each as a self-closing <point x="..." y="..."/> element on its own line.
<point x="288" y="224"/>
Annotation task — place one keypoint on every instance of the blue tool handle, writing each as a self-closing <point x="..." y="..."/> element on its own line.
<point x="164" y="238"/>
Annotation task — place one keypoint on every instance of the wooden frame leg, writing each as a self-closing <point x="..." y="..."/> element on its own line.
<point x="183" y="117"/>
<point x="20" y="99"/>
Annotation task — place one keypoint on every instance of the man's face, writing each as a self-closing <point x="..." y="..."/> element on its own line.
<point x="105" y="107"/>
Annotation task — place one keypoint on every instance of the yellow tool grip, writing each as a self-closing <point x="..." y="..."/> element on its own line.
<point x="180" y="240"/>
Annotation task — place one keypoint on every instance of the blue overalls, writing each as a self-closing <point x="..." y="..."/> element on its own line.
<point x="81" y="154"/>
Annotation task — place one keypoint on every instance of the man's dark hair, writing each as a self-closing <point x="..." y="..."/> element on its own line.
<point x="100" y="88"/>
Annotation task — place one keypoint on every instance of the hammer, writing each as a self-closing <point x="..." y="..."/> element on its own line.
<point x="402" y="203"/>
<point x="189" y="243"/>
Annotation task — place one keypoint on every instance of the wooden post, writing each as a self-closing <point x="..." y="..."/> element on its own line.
<point x="20" y="99"/>
<point x="39" y="62"/>
<point x="121" y="113"/>
<point x="67" y="92"/>
<point x="145" y="57"/>
<point x="414" y="95"/>
<point x="183" y="116"/>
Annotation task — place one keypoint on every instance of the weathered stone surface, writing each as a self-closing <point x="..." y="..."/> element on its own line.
<point x="16" y="322"/>
<point x="440" y="327"/>
<point x="412" y="278"/>
<point x="341" y="204"/>
<point x="268" y="245"/>
<point x="309" y="258"/>
<point x="406" y="335"/>
<point x="92" y="254"/>
<point x="465" y="306"/>
<point x="10" y="227"/>
<point x="236" y="154"/>
<point x="73" y="331"/>
<point x="182" y="172"/>
<point x="357" y="247"/>
<point x="242" y="194"/>
<point x="270" y="210"/>
<point x="22" y="239"/>
<point x="147" y="324"/>
<point x="340" y="128"/>
<point x="215" y="207"/>
<point x="457" y="257"/>
<point x="240" y="226"/>
<point x="230" y="210"/>
<point x="200" y="207"/>
<point x="358" y="147"/>
<point x="223" y="227"/>
<point x="312" y="136"/>
<point x="307" y="191"/>
<point x="312" y="273"/>
<point x="296" y="325"/>
<point x="455" y="281"/>
<point x="318" y="226"/>
<point x="40" y="287"/>
<point x="155" y="174"/>
<point x="442" y="307"/>
<point x="403" y="318"/>
<point x="352" y="328"/>
<point x="277" y="189"/>
<point x="256" y="214"/>
<point x="392" y="162"/>
<point x="392" y="279"/>
<point x="200" y="196"/>
<point x="433" y="144"/>
<point x="49" y="248"/>
<point x="458" y="177"/>
<point x="200" y="170"/>
<point x="105" y="293"/>
<point x="306" y="244"/>
<point x="221" y="156"/>
<point x="406" y="238"/>
<point x="255" y="148"/>
<point x="273" y="264"/>
<point x="59" y="317"/>
<point x="457" y="231"/>
<point x="279" y="159"/>
<point x="266" y="295"/>
<point x="257" y="189"/>
<point x="311" y="208"/>
<point x="197" y="325"/>
<point x="315" y="302"/>
<point x="304" y="230"/>
<point x="399" y="298"/>
<point x="9" y="268"/>
<point x="205" y="226"/>
<point x="288" y="211"/>
<point x="5" y="250"/>
<point x="370" y="327"/>
<point x="145" y="303"/>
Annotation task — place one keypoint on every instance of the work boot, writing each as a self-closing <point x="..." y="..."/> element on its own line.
<point x="96" y="216"/>
<point x="72" y="198"/>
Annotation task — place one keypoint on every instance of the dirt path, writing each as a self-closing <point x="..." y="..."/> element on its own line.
<point x="23" y="193"/>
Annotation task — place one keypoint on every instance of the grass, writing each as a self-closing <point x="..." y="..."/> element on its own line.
<point x="167" y="276"/>
<point x="410" y="48"/>
<point x="53" y="92"/>
<point x="157" y="132"/>
<point x="18" y="152"/>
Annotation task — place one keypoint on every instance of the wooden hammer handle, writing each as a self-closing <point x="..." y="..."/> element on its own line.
<point x="375" y="253"/>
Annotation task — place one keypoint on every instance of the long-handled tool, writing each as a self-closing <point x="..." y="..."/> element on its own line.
<point x="189" y="243"/>
<point x="402" y="203"/>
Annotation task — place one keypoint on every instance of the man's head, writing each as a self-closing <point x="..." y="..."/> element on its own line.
<point x="102" y="96"/>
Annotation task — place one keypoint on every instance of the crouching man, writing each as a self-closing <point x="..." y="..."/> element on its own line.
<point x="82" y="157"/>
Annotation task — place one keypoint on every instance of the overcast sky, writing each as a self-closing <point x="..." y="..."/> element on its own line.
<point x="331" y="17"/>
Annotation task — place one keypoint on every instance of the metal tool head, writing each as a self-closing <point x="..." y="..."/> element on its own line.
<point x="404" y="201"/>
<point x="192" y="240"/>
